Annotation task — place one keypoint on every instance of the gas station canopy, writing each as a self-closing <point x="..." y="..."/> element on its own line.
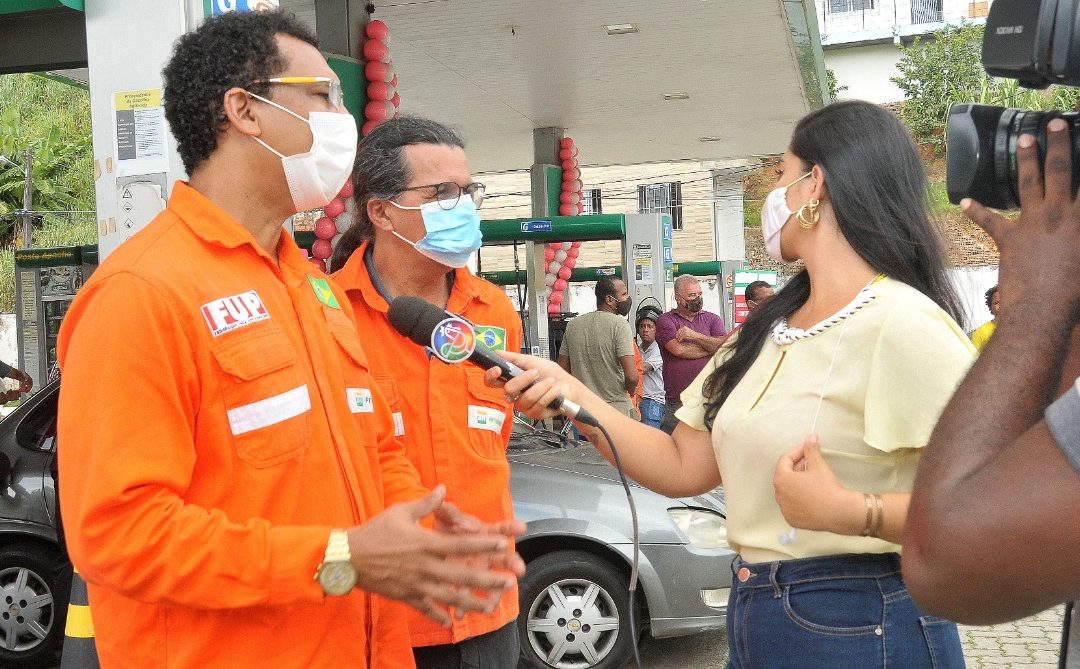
<point x="736" y="74"/>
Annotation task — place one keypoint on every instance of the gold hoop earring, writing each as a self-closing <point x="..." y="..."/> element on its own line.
<point x="807" y="223"/>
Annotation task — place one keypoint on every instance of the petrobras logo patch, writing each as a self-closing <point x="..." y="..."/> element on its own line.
<point x="360" y="400"/>
<point x="453" y="340"/>
<point x="229" y="313"/>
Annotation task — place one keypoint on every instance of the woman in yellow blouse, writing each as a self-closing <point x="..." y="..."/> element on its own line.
<point x="813" y="415"/>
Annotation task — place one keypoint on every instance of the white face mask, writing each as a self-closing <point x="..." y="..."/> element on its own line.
<point x="317" y="176"/>
<point x="774" y="214"/>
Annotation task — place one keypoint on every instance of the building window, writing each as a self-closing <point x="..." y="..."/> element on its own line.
<point x="665" y="198"/>
<point x="590" y="202"/>
<point x="839" y="6"/>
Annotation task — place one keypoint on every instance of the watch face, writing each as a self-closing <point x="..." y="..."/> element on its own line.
<point x="337" y="578"/>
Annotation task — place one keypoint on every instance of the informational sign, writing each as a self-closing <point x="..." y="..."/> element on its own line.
<point x="605" y="271"/>
<point x="643" y="270"/>
<point x="141" y="138"/>
<point x="536" y="226"/>
<point x="743" y="279"/>
<point x="28" y="284"/>
<point x="223" y="6"/>
<point x="643" y="251"/>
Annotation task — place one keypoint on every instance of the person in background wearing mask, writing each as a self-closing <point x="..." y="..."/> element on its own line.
<point x="417" y="225"/>
<point x="598" y="347"/>
<point x="229" y="505"/>
<point x="688" y="337"/>
<point x="756" y="294"/>
<point x="815" y="414"/>
<point x="652" y="402"/>
<point x="981" y="336"/>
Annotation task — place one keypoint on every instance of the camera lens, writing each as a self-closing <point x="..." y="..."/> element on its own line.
<point x="981" y="153"/>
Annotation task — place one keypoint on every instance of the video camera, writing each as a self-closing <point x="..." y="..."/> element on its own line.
<point x="1036" y="42"/>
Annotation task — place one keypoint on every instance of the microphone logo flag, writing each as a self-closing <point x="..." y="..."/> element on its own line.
<point x="453" y="340"/>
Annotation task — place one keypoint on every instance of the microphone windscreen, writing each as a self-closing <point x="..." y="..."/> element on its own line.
<point x="415" y="318"/>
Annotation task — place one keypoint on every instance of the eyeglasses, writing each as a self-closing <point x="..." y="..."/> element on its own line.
<point x="333" y="92"/>
<point x="448" y="193"/>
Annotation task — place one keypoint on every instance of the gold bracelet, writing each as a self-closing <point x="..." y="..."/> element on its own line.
<point x="869" y="514"/>
<point x="880" y="522"/>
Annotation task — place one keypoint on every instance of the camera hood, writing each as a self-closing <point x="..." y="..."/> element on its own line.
<point x="1033" y="41"/>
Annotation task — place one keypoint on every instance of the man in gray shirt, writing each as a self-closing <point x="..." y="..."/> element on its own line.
<point x="598" y="347"/>
<point x="992" y="532"/>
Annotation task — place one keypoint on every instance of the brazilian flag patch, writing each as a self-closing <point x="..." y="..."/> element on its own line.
<point x="491" y="336"/>
<point x="323" y="292"/>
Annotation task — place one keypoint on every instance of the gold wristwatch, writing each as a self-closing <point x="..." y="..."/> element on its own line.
<point x="336" y="574"/>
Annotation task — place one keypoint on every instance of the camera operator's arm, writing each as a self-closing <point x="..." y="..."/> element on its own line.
<point x="992" y="532"/>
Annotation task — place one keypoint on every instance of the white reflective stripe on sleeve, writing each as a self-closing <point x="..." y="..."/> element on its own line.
<point x="270" y="411"/>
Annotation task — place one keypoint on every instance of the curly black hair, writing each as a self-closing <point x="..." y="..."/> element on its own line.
<point x="227" y="51"/>
<point x="990" y="297"/>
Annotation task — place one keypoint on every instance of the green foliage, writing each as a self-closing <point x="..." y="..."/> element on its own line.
<point x="834" y="87"/>
<point x="52" y="119"/>
<point x="947" y="70"/>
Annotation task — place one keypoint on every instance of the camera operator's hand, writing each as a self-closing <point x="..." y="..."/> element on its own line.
<point x="1040" y="251"/>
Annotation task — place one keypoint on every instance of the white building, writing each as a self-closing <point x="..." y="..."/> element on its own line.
<point x="861" y="38"/>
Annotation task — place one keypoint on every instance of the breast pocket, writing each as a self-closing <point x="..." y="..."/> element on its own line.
<point x="265" y="395"/>
<point x="359" y="386"/>
<point x="485" y="416"/>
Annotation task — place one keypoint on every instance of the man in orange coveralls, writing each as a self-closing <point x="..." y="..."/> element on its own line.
<point x="228" y="459"/>
<point x="417" y="225"/>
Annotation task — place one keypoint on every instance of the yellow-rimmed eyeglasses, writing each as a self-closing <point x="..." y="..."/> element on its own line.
<point x="333" y="88"/>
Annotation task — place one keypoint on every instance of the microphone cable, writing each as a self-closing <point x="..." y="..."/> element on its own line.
<point x="636" y="539"/>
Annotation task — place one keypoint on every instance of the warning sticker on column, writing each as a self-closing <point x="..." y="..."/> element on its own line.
<point x="141" y="132"/>
<point x="643" y="270"/>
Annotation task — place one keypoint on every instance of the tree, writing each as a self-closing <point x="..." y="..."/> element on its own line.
<point x="53" y="119"/>
<point x="947" y="70"/>
<point x="834" y="87"/>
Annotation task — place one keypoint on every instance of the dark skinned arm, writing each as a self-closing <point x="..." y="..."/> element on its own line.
<point x="992" y="532"/>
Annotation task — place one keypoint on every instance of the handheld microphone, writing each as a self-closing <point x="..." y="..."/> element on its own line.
<point x="452" y="339"/>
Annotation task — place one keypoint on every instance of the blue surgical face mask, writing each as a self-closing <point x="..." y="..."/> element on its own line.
<point x="453" y="235"/>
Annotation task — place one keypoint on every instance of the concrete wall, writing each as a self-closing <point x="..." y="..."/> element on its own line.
<point x="866" y="71"/>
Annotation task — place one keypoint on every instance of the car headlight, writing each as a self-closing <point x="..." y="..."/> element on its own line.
<point x="703" y="529"/>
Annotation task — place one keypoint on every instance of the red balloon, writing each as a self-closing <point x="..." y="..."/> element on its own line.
<point x="580" y="208"/>
<point x="376" y="71"/>
<point x="566" y="209"/>
<point x="553" y="309"/>
<point x="556" y="297"/>
<point x="318" y="262"/>
<point x="564" y="197"/>
<point x="566" y="143"/>
<point x="572" y="252"/>
<point x="375" y="50"/>
<point x="376" y="110"/>
<point x="564" y="272"/>
<point x="565" y="154"/>
<point x="368" y="127"/>
<point x="395" y="100"/>
<point x="346" y="190"/>
<point x="575" y="245"/>
<point x="322" y="249"/>
<point x="559" y="285"/>
<point x="334" y="207"/>
<point x="376" y="29"/>
<point x="576" y="186"/>
<point x="571" y="176"/>
<point x="325" y="228"/>
<point x="379" y="90"/>
<point x="569" y="263"/>
<point x="549" y="254"/>
<point x="568" y="164"/>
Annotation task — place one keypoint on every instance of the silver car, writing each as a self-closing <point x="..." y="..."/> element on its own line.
<point x="574" y="596"/>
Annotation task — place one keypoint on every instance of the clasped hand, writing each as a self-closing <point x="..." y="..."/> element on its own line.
<point x="461" y="565"/>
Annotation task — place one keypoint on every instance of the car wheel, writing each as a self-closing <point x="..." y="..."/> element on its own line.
<point x="574" y="609"/>
<point x="34" y="586"/>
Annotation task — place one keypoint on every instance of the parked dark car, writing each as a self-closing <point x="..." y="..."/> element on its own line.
<point x="574" y="598"/>
<point x="35" y="575"/>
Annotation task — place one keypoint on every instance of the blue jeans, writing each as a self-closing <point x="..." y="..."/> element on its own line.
<point x="652" y="412"/>
<point x="836" y="611"/>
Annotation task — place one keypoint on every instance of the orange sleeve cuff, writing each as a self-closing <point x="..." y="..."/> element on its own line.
<point x="295" y="555"/>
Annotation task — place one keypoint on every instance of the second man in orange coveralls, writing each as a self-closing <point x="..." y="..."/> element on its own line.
<point x="417" y="226"/>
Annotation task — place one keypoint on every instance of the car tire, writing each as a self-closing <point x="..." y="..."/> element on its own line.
<point x="574" y="608"/>
<point x="29" y="572"/>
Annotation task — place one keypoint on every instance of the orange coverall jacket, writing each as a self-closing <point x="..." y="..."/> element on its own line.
<point x="455" y="427"/>
<point x="217" y="419"/>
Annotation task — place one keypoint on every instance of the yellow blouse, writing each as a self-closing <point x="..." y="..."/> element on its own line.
<point x="896" y="359"/>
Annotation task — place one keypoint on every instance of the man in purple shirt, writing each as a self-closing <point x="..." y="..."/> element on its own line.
<point x="688" y="337"/>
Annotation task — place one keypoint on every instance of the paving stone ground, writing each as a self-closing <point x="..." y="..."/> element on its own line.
<point x="1028" y="643"/>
